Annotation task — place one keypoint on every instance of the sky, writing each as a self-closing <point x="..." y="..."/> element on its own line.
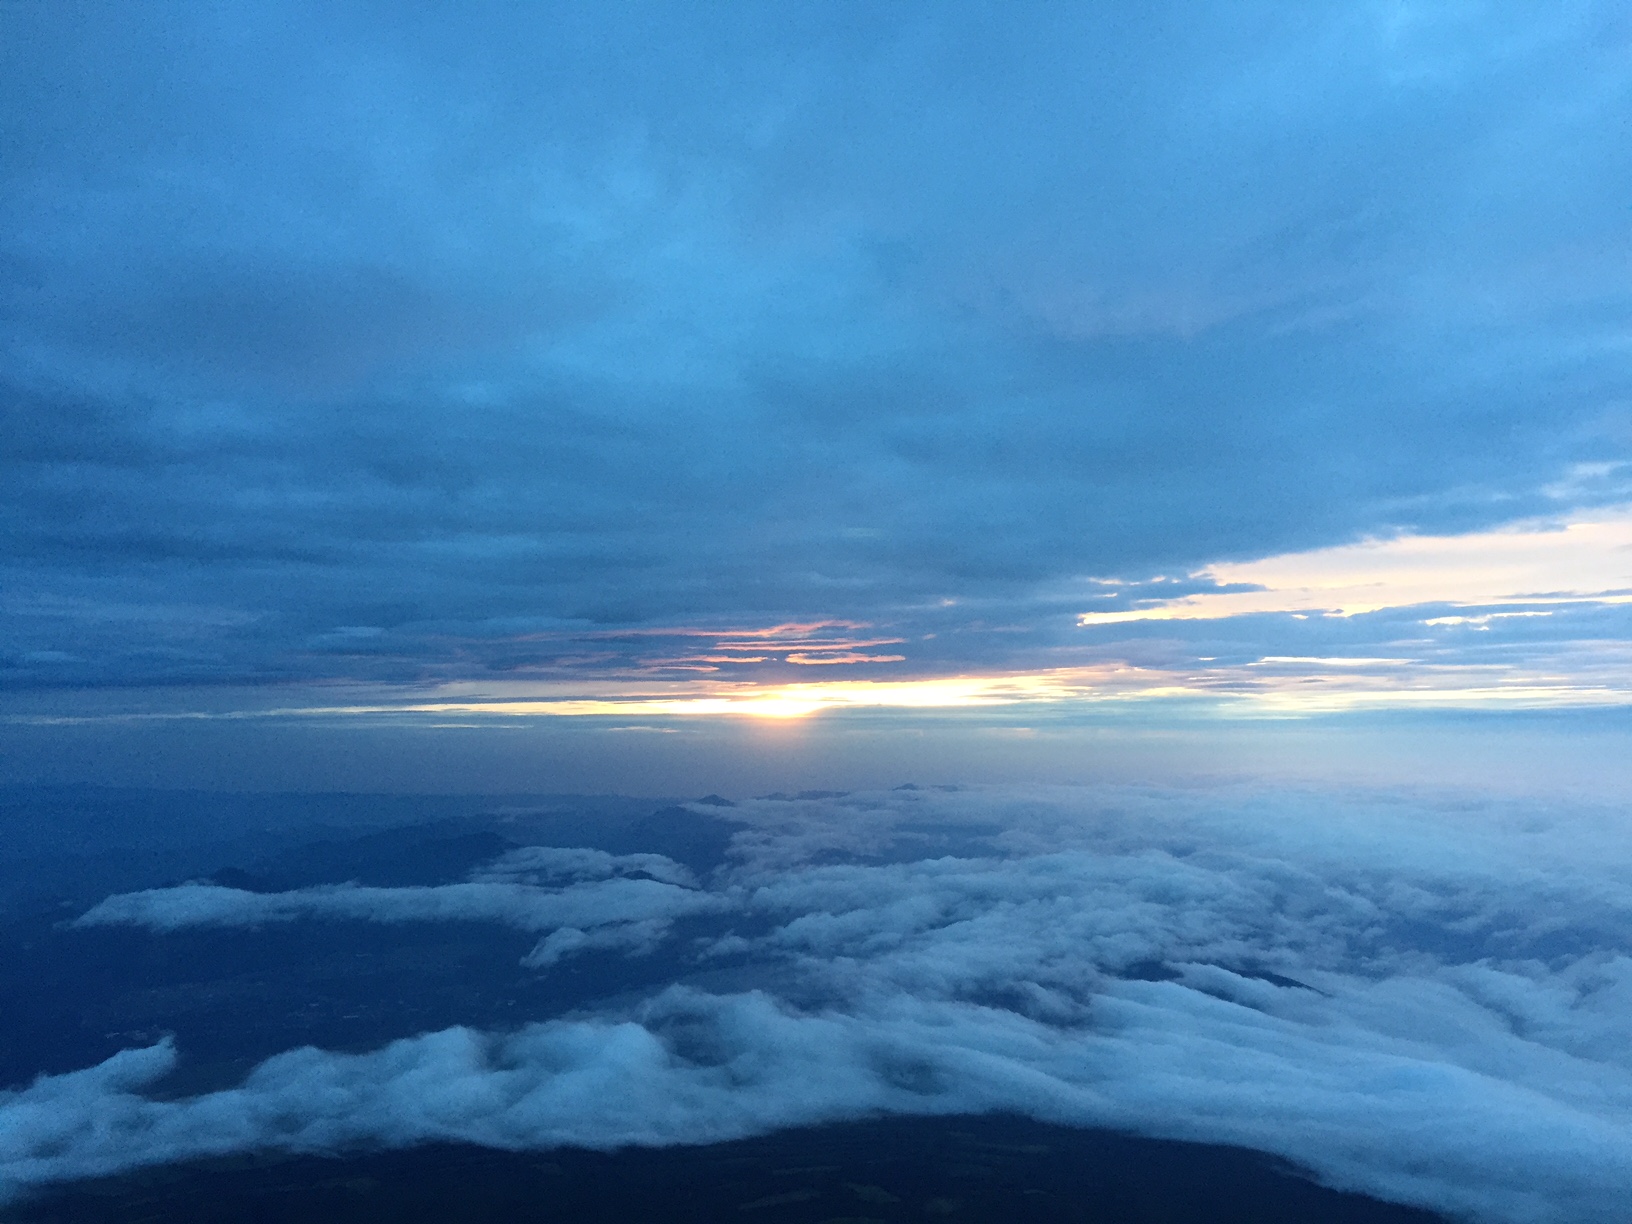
<point x="1192" y="442"/>
<point x="1015" y="365"/>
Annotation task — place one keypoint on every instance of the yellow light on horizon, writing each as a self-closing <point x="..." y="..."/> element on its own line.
<point x="1532" y="562"/>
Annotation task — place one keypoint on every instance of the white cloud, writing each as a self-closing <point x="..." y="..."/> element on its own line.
<point x="1429" y="1000"/>
<point x="552" y="864"/>
<point x="525" y="907"/>
<point x="632" y="938"/>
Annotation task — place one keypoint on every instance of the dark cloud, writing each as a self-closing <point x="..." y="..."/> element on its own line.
<point x="350" y="318"/>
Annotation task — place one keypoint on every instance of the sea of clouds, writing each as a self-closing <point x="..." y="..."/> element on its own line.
<point x="1424" y="998"/>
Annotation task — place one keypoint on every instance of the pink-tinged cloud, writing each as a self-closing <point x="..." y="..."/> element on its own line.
<point x="817" y="660"/>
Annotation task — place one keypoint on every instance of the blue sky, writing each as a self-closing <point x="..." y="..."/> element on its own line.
<point x="772" y="359"/>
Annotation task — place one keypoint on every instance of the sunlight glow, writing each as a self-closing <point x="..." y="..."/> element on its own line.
<point x="1277" y="686"/>
<point x="1530" y="563"/>
<point x="1272" y="686"/>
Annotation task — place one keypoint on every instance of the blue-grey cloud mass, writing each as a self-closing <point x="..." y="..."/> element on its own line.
<point x="1423" y="1000"/>
<point x="352" y="341"/>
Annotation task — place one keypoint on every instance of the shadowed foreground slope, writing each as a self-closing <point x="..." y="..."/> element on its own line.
<point x="951" y="1170"/>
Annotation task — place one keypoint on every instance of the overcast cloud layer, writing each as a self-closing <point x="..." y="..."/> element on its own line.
<point x="350" y="342"/>
<point x="1424" y="1000"/>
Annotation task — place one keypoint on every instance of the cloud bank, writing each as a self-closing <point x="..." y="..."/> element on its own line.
<point x="1425" y="1000"/>
<point x="373" y="345"/>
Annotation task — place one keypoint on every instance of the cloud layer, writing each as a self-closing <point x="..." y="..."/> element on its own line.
<point x="361" y="344"/>
<point x="1426" y="1000"/>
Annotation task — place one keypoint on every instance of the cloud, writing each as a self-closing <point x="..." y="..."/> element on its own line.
<point x="635" y="911"/>
<point x="537" y="865"/>
<point x="580" y="897"/>
<point x="895" y="319"/>
<point x="1582" y="561"/>
<point x="1423" y="999"/>
<point x="636" y="938"/>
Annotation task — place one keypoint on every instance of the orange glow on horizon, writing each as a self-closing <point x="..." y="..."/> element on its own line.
<point x="1278" y="687"/>
<point x="1273" y="686"/>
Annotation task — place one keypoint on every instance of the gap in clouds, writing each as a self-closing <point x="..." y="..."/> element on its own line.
<point x="1534" y="564"/>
